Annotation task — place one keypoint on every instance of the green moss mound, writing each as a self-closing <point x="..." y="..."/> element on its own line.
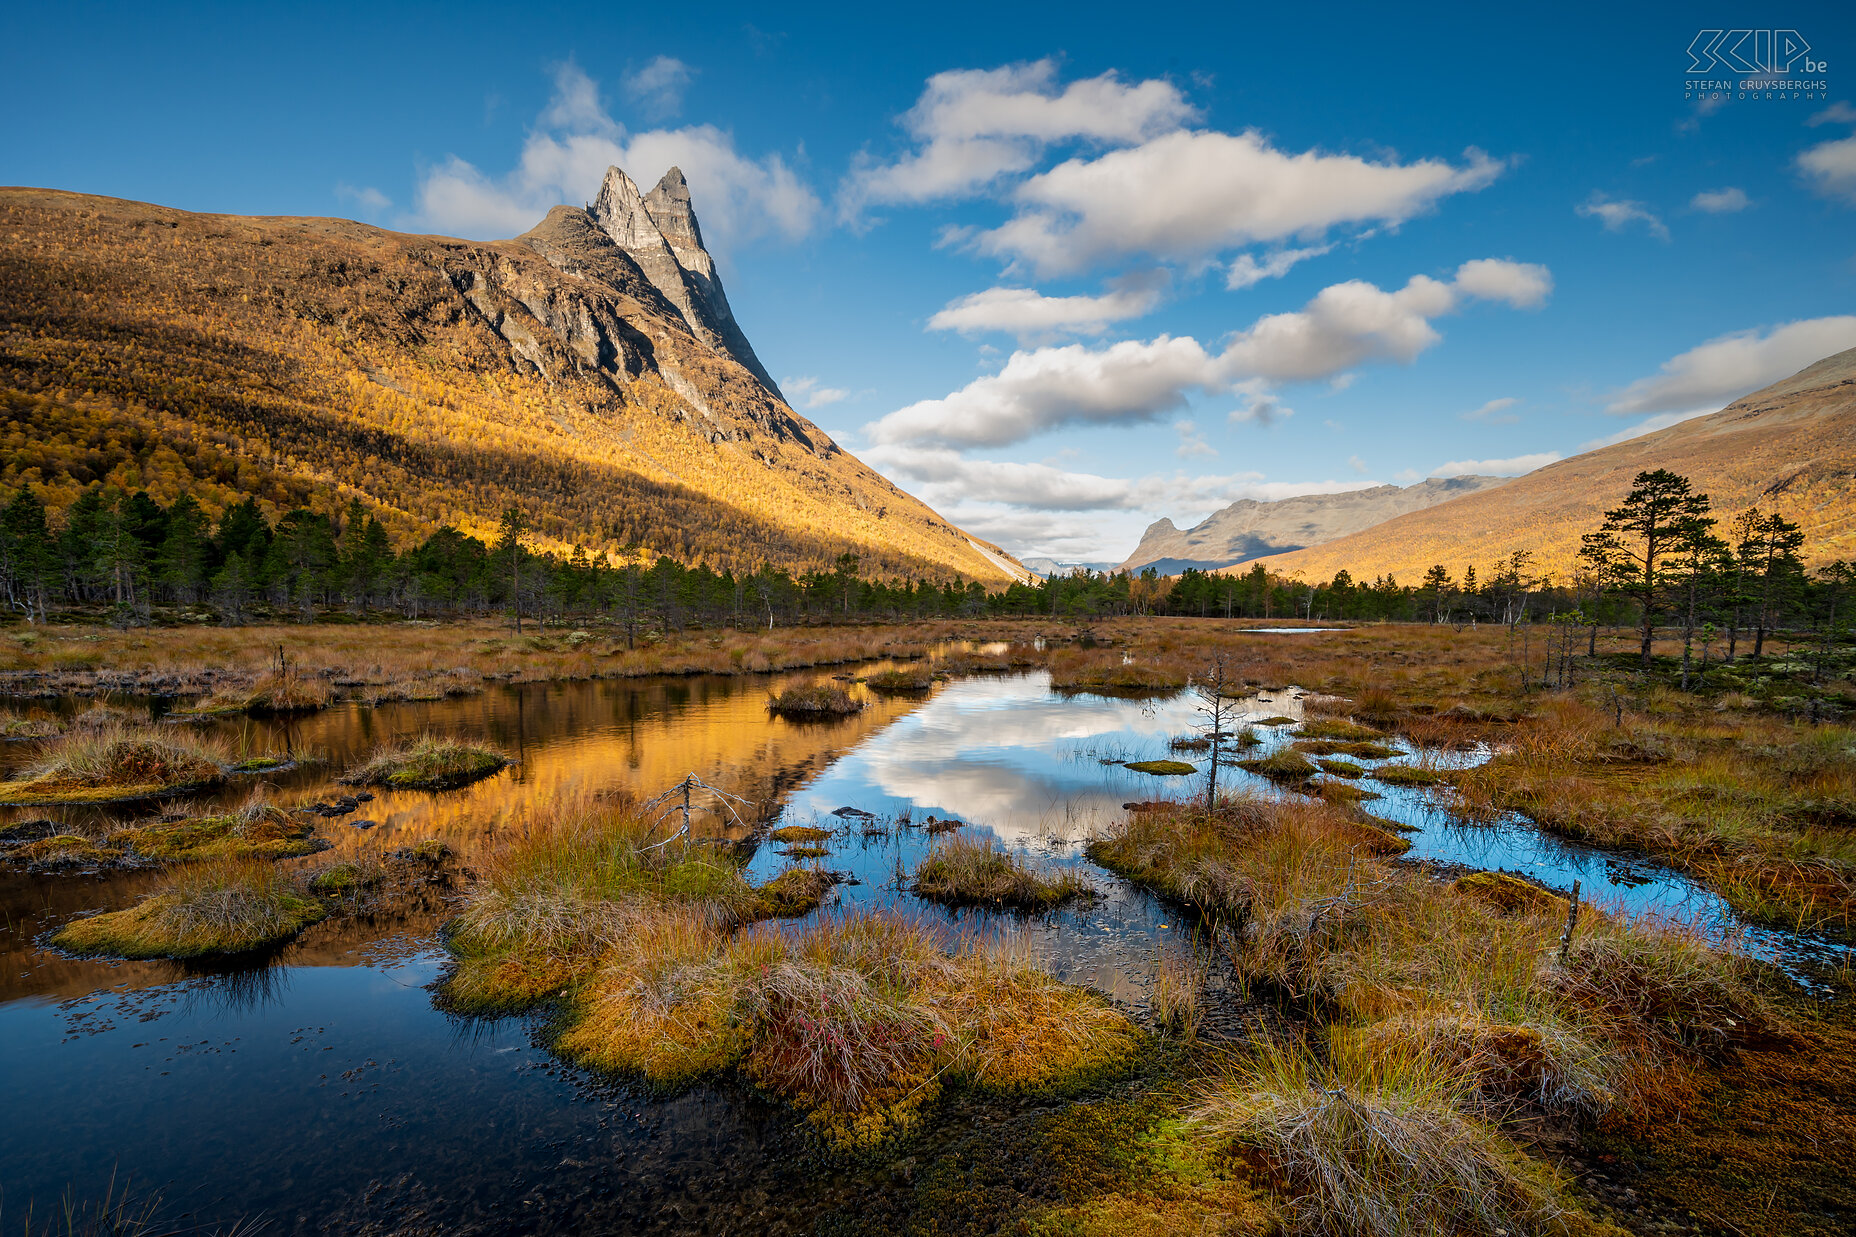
<point x="263" y="834"/>
<point x="1282" y="765"/>
<point x="1162" y="768"/>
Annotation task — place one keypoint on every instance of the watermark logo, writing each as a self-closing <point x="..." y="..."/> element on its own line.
<point x="1753" y="64"/>
<point x="1751" y="51"/>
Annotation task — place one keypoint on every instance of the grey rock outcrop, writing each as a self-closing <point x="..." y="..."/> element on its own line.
<point x="660" y="234"/>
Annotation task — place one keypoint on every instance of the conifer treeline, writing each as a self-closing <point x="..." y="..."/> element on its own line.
<point x="1656" y="559"/>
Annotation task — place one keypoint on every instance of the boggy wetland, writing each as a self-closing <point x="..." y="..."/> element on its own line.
<point x="954" y="937"/>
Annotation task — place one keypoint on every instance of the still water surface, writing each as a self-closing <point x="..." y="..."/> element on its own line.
<point x="322" y="1090"/>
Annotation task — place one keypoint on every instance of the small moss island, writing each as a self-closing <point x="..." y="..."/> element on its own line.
<point x="219" y="907"/>
<point x="117" y="763"/>
<point x="1162" y="768"/>
<point x="428" y="763"/>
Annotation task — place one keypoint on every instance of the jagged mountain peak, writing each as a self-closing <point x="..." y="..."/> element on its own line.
<point x="671" y="210"/>
<point x="659" y="231"/>
<point x="619" y="211"/>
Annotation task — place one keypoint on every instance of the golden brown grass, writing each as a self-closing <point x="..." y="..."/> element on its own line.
<point x="964" y="871"/>
<point x="257" y="829"/>
<point x="427" y="763"/>
<point x="1378" y="1144"/>
<point x="901" y="680"/>
<point x="808" y="701"/>
<point x="218" y="907"/>
<point x="859" y="1021"/>
<point x="115" y="762"/>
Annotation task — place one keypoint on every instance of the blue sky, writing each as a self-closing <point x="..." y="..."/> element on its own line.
<point x="1062" y="272"/>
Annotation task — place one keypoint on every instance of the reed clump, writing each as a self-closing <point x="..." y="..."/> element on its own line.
<point x="1408" y="775"/>
<point x="799" y="833"/>
<point x="812" y="701"/>
<point x="65" y="850"/>
<point x="117" y="762"/>
<point x="579" y="879"/>
<point x="1383" y="1145"/>
<point x="216" y="907"/>
<point x="276" y="691"/>
<point x="1163" y="768"/>
<point x="427" y="763"/>
<point x="1360" y="750"/>
<point x="964" y="871"/>
<point x="1307" y="915"/>
<point x="1339" y="729"/>
<point x="33" y="725"/>
<point x="901" y="681"/>
<point x="1178" y="995"/>
<point x="859" y="1021"/>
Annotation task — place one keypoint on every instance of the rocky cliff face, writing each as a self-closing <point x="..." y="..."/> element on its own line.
<point x="1250" y="529"/>
<point x="660" y="234"/>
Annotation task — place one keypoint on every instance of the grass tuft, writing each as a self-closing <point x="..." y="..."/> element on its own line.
<point x="427" y="763"/>
<point x="1163" y="768"/>
<point x="114" y="762"/>
<point x="963" y="871"/>
<point x="1282" y="765"/>
<point x="1380" y="1146"/>
<point x="908" y="680"/>
<point x="219" y="907"/>
<point x="814" y="700"/>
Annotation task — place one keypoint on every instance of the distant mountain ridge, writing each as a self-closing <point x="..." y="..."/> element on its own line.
<point x="589" y="373"/>
<point x="1252" y="528"/>
<point x="1788" y="448"/>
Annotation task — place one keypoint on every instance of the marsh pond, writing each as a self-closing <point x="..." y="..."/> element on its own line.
<point x="323" y="1087"/>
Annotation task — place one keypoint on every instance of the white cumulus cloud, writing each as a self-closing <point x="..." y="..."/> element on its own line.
<point x="1726" y="201"/>
<point x="1524" y="285"/>
<point x="810" y="393"/>
<point x="1246" y="271"/>
<point x="1830" y="167"/>
<point x="1027" y="313"/>
<point x="658" y="87"/>
<point x="972" y="126"/>
<point x="738" y="198"/>
<point x="365" y="198"/>
<point x="1133" y="381"/>
<point x="1495" y="412"/>
<point x="1119" y="384"/>
<point x="1617" y="214"/>
<point x="1716" y="373"/>
<point x="1186" y="194"/>
<point x="1513" y="466"/>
